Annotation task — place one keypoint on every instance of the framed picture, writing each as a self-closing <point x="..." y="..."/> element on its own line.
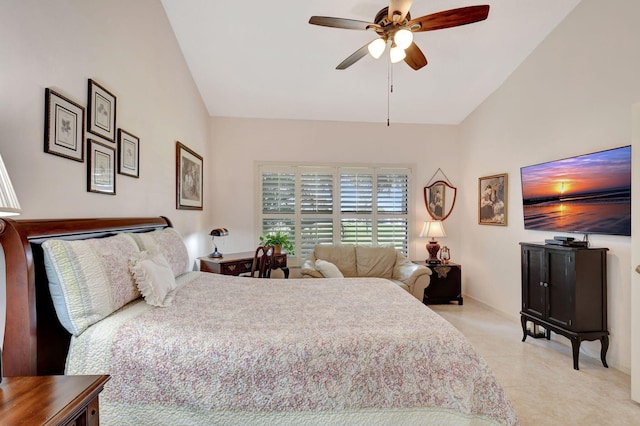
<point x="188" y="178"/>
<point x="63" y="127"/>
<point x="101" y="168"/>
<point x="435" y="200"/>
<point x="492" y="200"/>
<point x="128" y="154"/>
<point x="101" y="119"/>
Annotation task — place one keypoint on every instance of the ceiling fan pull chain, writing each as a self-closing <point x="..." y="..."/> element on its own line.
<point x="390" y="85"/>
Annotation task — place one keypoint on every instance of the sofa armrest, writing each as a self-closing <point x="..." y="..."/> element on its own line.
<point x="308" y="270"/>
<point x="416" y="277"/>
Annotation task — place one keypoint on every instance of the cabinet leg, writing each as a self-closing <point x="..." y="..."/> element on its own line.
<point x="460" y="300"/>
<point x="575" y="345"/>
<point x="604" y="340"/>
<point x="523" y="320"/>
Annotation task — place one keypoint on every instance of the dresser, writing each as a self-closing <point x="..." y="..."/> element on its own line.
<point x="564" y="290"/>
<point x="239" y="263"/>
<point x="51" y="400"/>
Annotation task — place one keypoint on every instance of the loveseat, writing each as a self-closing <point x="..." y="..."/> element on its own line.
<point x="347" y="260"/>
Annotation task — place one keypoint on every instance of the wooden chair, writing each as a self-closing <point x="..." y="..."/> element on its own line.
<point x="262" y="262"/>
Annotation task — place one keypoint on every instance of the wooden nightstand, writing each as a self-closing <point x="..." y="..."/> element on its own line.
<point x="51" y="400"/>
<point x="445" y="285"/>
<point x="239" y="263"/>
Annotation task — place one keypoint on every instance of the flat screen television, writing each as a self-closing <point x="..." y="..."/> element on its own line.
<point x="589" y="194"/>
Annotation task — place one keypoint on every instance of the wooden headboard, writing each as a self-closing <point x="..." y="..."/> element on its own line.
<point x="34" y="341"/>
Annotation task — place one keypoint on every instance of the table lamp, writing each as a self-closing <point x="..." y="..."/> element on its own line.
<point x="218" y="232"/>
<point x="9" y="206"/>
<point x="433" y="229"/>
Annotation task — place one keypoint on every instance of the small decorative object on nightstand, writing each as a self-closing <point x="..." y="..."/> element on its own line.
<point x="445" y="254"/>
<point x="445" y="285"/>
<point x="433" y="229"/>
<point x="218" y="232"/>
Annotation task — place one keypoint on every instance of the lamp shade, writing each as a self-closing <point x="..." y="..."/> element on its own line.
<point x="403" y="38"/>
<point x="433" y="229"/>
<point x="376" y="47"/>
<point x="396" y="54"/>
<point x="9" y="205"/>
<point x="220" y="232"/>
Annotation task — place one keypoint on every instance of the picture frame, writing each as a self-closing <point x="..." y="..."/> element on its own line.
<point x="189" y="178"/>
<point x="435" y="200"/>
<point x="101" y="168"/>
<point x="101" y="117"/>
<point x="128" y="154"/>
<point x="63" y="126"/>
<point x="492" y="200"/>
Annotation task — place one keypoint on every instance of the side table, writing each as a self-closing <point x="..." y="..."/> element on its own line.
<point x="51" y="400"/>
<point x="239" y="263"/>
<point x="445" y="285"/>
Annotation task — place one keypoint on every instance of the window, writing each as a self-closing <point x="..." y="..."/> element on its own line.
<point x="335" y="204"/>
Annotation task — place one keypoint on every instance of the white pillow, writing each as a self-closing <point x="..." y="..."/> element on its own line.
<point x="169" y="243"/>
<point x="328" y="269"/>
<point x="154" y="277"/>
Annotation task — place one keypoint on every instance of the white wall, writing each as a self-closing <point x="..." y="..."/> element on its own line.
<point x="240" y="143"/>
<point x="635" y="259"/>
<point x="128" y="47"/>
<point x="571" y="96"/>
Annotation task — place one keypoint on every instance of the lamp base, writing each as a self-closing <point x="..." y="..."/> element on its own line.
<point x="433" y="248"/>
<point x="216" y="254"/>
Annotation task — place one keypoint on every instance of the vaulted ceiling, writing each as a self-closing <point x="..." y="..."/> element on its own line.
<point x="262" y="59"/>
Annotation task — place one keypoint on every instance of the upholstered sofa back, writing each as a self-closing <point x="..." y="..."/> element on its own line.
<point x="363" y="261"/>
<point x="359" y="261"/>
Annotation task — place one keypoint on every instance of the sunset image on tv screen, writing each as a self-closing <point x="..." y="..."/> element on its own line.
<point x="588" y="194"/>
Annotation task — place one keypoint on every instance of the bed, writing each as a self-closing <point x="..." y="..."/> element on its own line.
<point x="234" y="350"/>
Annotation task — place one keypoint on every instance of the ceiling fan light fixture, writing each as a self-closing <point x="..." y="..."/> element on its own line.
<point x="403" y="38"/>
<point x="376" y="47"/>
<point x="396" y="54"/>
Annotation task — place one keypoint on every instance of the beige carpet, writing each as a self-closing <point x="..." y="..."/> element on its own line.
<point x="538" y="375"/>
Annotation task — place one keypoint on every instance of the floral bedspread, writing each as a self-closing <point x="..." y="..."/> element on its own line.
<point x="249" y="349"/>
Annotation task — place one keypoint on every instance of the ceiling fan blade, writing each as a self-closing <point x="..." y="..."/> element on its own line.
<point x="354" y="57"/>
<point x="450" y="18"/>
<point x="348" y="24"/>
<point x="399" y="7"/>
<point x="415" y="58"/>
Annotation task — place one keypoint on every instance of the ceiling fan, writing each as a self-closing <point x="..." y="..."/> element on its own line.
<point x="394" y="26"/>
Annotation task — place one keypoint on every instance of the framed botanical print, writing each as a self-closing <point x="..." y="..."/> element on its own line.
<point x="492" y="200"/>
<point x="101" y="168"/>
<point x="101" y="119"/>
<point x="128" y="154"/>
<point x="188" y="178"/>
<point x="63" y="126"/>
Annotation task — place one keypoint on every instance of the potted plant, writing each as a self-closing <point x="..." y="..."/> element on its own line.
<point x="278" y="239"/>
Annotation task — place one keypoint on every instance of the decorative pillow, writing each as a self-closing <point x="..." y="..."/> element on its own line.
<point x="169" y="243"/>
<point x="89" y="279"/>
<point x="154" y="278"/>
<point x="328" y="269"/>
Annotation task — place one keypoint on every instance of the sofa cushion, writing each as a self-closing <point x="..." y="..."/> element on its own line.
<point x="375" y="261"/>
<point x="344" y="257"/>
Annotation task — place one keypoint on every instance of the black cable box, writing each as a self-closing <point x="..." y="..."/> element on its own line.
<point x="567" y="243"/>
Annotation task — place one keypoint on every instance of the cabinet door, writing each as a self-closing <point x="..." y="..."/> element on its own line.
<point x="533" y="278"/>
<point x="560" y="287"/>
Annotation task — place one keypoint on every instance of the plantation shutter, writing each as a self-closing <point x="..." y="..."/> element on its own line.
<point x="335" y="205"/>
